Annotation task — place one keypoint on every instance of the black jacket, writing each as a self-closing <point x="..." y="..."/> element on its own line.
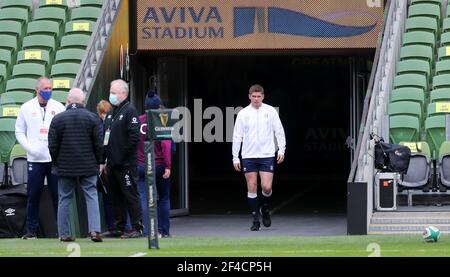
<point x="75" y="142"/>
<point x="123" y="123"/>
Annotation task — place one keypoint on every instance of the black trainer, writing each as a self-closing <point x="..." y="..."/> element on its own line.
<point x="30" y="235"/>
<point x="112" y="234"/>
<point x="265" y="212"/>
<point x="132" y="234"/>
<point x="256" y="226"/>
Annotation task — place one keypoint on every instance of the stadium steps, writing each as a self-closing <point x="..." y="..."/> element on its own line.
<point x="408" y="222"/>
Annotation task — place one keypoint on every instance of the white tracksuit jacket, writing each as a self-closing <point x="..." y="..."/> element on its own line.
<point x="256" y="129"/>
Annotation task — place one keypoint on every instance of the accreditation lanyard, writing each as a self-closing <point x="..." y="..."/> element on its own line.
<point x="108" y="132"/>
<point x="43" y="131"/>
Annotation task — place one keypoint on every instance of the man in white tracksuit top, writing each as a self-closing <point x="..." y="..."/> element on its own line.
<point x="256" y="126"/>
<point x="32" y="125"/>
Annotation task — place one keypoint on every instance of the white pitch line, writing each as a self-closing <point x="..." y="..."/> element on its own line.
<point x="140" y="254"/>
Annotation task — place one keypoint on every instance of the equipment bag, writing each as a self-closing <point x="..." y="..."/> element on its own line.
<point x="391" y="157"/>
<point x="13" y="211"/>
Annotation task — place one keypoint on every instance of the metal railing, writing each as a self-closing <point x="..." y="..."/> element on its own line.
<point x="96" y="47"/>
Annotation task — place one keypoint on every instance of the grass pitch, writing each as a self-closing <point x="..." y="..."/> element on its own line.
<point x="332" y="246"/>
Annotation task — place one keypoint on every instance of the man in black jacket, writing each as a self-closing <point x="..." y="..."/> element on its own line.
<point x="120" y="141"/>
<point x="75" y="144"/>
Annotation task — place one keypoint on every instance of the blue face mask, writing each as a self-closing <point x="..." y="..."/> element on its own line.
<point x="46" y="94"/>
<point x="113" y="99"/>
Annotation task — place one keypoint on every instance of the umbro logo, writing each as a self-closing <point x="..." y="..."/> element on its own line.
<point x="10" y="212"/>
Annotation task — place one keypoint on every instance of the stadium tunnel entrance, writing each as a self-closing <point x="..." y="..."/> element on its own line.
<point x="319" y="99"/>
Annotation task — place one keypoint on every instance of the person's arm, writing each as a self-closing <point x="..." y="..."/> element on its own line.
<point x="166" y="147"/>
<point x="97" y="135"/>
<point x="238" y="134"/>
<point x="279" y="134"/>
<point x="133" y="132"/>
<point x="21" y="132"/>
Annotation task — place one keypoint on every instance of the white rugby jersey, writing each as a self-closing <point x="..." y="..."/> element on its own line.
<point x="256" y="129"/>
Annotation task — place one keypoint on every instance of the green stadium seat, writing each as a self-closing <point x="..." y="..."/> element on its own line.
<point x="441" y="81"/>
<point x="18" y="165"/>
<point x="421" y="23"/>
<point x="69" y="55"/>
<point x="440" y="95"/>
<point x="79" y="27"/>
<point x="444" y="164"/>
<point x="60" y="96"/>
<point x="9" y="42"/>
<point x="34" y="56"/>
<point x="92" y="3"/>
<point x="445" y="39"/>
<point x="409" y="94"/>
<point x="15" y="97"/>
<point x="68" y="70"/>
<point x="403" y="128"/>
<point x="419" y="38"/>
<point x="435" y="130"/>
<point x="62" y="4"/>
<point x="424" y="9"/>
<point x="43" y="27"/>
<point x="418" y="52"/>
<point x="443" y="53"/>
<point x="51" y="13"/>
<point x="405" y="108"/>
<point x="85" y="13"/>
<point x="61" y="83"/>
<point x="10" y="110"/>
<point x="435" y="2"/>
<point x="24" y="4"/>
<point x="18" y="14"/>
<point x="21" y="84"/>
<point x="419" y="169"/>
<point x="7" y="137"/>
<point x="6" y="57"/>
<point x="79" y="41"/>
<point x="10" y="27"/>
<point x="411" y="80"/>
<point x="446" y="25"/>
<point x="43" y="42"/>
<point x="443" y="67"/>
<point x="28" y="70"/>
<point x="414" y="66"/>
<point x="438" y="108"/>
<point x="4" y="74"/>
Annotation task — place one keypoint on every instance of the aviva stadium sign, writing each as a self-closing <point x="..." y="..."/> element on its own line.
<point x="257" y="24"/>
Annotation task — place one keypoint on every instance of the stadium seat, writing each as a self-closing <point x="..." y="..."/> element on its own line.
<point x="69" y="70"/>
<point x="421" y="23"/>
<point x="15" y="97"/>
<point x="445" y="39"/>
<point x="419" y="169"/>
<point x="79" y="41"/>
<point x="418" y="52"/>
<point x="60" y="96"/>
<point x="18" y="165"/>
<point x="441" y="81"/>
<point x="444" y="164"/>
<point x="21" y="84"/>
<point x="18" y="14"/>
<point x="9" y="42"/>
<point x="414" y="66"/>
<point x="435" y="2"/>
<point x="403" y="128"/>
<point x="3" y="76"/>
<point x="435" y="131"/>
<point x="79" y="27"/>
<point x="85" y="13"/>
<point x="411" y="80"/>
<point x="440" y="95"/>
<point x="24" y="4"/>
<point x="92" y="3"/>
<point x="69" y="55"/>
<point x="443" y="67"/>
<point x="443" y="53"/>
<point x="34" y="56"/>
<point x="7" y="137"/>
<point x="62" y="4"/>
<point x="419" y="38"/>
<point x="10" y="110"/>
<point x="28" y="70"/>
<point x="405" y="108"/>
<point x="409" y="94"/>
<point x="43" y="42"/>
<point x="6" y="57"/>
<point x="43" y="27"/>
<point x="438" y="108"/>
<point x="10" y="27"/>
<point x="64" y="84"/>
<point x="424" y="9"/>
<point x="51" y="13"/>
<point x="446" y="25"/>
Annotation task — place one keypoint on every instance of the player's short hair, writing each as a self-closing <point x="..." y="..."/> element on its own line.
<point x="256" y="88"/>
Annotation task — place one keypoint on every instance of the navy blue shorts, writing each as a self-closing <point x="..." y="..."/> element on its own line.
<point x="258" y="164"/>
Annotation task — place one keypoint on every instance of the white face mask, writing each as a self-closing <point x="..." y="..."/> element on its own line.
<point x="113" y="99"/>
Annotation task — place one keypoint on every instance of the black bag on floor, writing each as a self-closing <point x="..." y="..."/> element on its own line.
<point x="13" y="209"/>
<point x="391" y="157"/>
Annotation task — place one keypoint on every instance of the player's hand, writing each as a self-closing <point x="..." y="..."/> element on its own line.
<point x="166" y="173"/>
<point x="237" y="166"/>
<point x="101" y="168"/>
<point x="280" y="158"/>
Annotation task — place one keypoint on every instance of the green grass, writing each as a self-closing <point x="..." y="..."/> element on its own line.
<point x="336" y="246"/>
